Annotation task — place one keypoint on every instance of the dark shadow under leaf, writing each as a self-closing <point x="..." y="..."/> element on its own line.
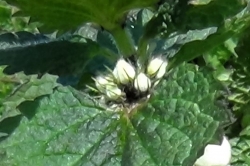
<point x="8" y="125"/>
<point x="38" y="54"/>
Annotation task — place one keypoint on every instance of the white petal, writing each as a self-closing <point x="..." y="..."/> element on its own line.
<point x="142" y="83"/>
<point x="101" y="82"/>
<point x="113" y="92"/>
<point x="157" y="67"/>
<point x="162" y="70"/>
<point x="123" y="71"/>
<point x="216" y="155"/>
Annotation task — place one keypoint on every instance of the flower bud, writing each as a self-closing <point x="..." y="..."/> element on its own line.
<point x="157" y="67"/>
<point x="101" y="82"/>
<point x="216" y="155"/>
<point x="123" y="72"/>
<point x="113" y="92"/>
<point x="142" y="83"/>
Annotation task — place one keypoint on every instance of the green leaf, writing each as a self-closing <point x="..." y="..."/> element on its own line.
<point x="29" y="90"/>
<point x="38" y="54"/>
<point x="199" y="14"/>
<point x="176" y="118"/>
<point x="181" y="21"/>
<point x="5" y="12"/>
<point x="241" y="81"/>
<point x="171" y="46"/>
<point x="181" y="16"/>
<point x="136" y="23"/>
<point x="6" y="85"/>
<point x="218" y="57"/>
<point x="67" y="129"/>
<point x="241" y="149"/>
<point x="10" y="24"/>
<point x="232" y="28"/>
<point x="70" y="128"/>
<point x="72" y="13"/>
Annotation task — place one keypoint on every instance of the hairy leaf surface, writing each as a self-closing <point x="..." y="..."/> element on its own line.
<point x="69" y="128"/>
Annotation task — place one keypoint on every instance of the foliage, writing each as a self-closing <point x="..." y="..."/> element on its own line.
<point x="67" y="117"/>
<point x="48" y="116"/>
<point x="13" y="24"/>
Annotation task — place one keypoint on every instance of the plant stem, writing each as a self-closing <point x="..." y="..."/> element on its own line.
<point x="143" y="49"/>
<point x="123" y="41"/>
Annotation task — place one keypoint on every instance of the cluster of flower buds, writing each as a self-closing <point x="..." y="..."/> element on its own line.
<point x="126" y="75"/>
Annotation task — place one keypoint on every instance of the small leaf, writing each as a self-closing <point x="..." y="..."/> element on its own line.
<point x="217" y="59"/>
<point x="240" y="148"/>
<point x="171" y="46"/>
<point x="11" y="24"/>
<point x="6" y="84"/>
<point x="31" y="89"/>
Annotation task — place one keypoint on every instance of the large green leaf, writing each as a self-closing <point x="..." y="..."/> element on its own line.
<point x="72" y="13"/>
<point x="38" y="54"/>
<point x="69" y="128"/>
<point x="180" y="111"/>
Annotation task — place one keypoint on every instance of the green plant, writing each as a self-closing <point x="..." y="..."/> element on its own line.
<point x="73" y="104"/>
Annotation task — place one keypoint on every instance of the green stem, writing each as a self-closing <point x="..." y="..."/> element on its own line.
<point x="143" y="47"/>
<point x="123" y="41"/>
<point x="143" y="53"/>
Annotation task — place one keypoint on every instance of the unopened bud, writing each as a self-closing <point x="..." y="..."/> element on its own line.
<point x="123" y="72"/>
<point x="216" y="155"/>
<point x="101" y="82"/>
<point x="142" y="83"/>
<point x="157" y="67"/>
<point x="113" y="92"/>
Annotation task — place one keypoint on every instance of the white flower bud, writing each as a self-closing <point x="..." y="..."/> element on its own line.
<point x="113" y="92"/>
<point x="216" y="155"/>
<point x="123" y="72"/>
<point x="101" y="82"/>
<point x="142" y="83"/>
<point x="157" y="67"/>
